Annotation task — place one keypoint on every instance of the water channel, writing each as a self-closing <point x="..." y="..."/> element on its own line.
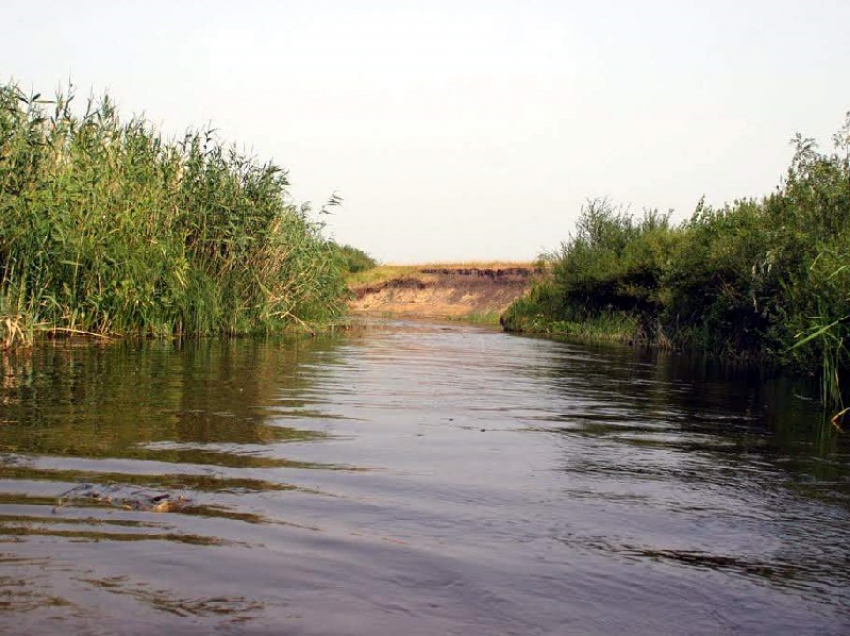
<point x="415" y="478"/>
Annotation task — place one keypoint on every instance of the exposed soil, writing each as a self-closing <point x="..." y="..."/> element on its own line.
<point x="445" y="292"/>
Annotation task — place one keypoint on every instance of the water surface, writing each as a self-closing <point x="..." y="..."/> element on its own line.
<point x="412" y="478"/>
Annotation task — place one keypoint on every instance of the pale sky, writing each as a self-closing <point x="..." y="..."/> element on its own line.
<point x="465" y="129"/>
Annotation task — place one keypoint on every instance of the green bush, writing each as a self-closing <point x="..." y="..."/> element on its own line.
<point x="767" y="279"/>
<point x="352" y="259"/>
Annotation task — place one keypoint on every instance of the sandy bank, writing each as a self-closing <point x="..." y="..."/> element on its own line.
<point x="467" y="292"/>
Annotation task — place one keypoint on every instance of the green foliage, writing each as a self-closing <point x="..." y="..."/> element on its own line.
<point x="352" y="259"/>
<point x="106" y="228"/>
<point x="768" y="278"/>
<point x="534" y="312"/>
<point x="613" y="262"/>
<point x="719" y="280"/>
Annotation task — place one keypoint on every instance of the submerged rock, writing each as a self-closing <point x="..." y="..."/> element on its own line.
<point x="122" y="496"/>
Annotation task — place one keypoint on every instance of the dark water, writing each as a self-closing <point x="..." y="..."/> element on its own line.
<point x="416" y="479"/>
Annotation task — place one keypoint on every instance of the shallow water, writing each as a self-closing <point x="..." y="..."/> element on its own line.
<point x="411" y="478"/>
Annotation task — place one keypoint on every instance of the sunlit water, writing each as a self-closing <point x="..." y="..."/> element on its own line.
<point x="416" y="479"/>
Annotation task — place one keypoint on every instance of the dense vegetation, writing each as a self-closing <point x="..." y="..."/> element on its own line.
<point x="353" y="259"/>
<point x="765" y="278"/>
<point x="106" y="228"/>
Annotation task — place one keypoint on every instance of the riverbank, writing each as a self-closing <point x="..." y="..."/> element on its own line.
<point x="474" y="292"/>
<point x="764" y="279"/>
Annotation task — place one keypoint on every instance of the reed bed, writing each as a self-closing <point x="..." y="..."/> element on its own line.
<point x="106" y="228"/>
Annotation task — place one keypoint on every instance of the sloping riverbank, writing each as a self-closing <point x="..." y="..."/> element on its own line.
<point x="478" y="293"/>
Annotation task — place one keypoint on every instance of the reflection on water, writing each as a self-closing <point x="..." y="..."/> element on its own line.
<point x="418" y="479"/>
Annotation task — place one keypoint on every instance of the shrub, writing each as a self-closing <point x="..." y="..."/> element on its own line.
<point x="767" y="278"/>
<point x="352" y="259"/>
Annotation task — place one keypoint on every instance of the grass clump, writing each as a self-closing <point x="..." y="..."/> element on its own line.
<point x="766" y="279"/>
<point x="380" y="274"/>
<point x="106" y="228"/>
<point x="489" y="318"/>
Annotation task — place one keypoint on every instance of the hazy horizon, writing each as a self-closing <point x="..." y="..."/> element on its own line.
<point x="467" y="130"/>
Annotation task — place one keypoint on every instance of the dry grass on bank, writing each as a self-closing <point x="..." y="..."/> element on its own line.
<point x="384" y="273"/>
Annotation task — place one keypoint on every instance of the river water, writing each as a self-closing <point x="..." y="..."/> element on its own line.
<point x="412" y="478"/>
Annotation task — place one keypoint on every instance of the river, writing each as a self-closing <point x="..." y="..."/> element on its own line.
<point x="413" y="478"/>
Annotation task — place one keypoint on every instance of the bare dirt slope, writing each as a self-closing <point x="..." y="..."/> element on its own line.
<point x="442" y="291"/>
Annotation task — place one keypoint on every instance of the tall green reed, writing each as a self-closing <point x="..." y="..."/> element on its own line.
<point x="107" y="228"/>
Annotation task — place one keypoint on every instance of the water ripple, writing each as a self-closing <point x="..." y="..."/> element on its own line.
<point x="419" y="479"/>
